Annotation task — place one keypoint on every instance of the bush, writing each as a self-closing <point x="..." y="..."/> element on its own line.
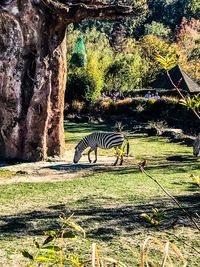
<point x="141" y="109"/>
<point x="80" y="86"/>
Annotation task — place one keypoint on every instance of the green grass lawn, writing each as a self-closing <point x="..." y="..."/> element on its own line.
<point x="107" y="203"/>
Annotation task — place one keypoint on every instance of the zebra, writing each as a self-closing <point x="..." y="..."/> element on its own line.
<point x="103" y="140"/>
<point x="196" y="146"/>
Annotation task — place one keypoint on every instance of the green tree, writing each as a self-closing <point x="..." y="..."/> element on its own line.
<point x="151" y="46"/>
<point x="79" y="56"/>
<point x="158" y="29"/>
<point x="193" y="8"/>
<point x="80" y="86"/>
<point x="124" y="73"/>
<point x="100" y="55"/>
<point x="168" y="12"/>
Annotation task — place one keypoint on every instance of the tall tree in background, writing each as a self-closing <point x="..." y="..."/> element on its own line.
<point x="33" y="71"/>
<point x="79" y="56"/>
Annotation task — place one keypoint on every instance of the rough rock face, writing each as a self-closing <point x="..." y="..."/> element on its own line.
<point x="32" y="82"/>
<point x="33" y="72"/>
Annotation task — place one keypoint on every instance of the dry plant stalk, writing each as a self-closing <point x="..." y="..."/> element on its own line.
<point x="149" y="244"/>
<point x="97" y="261"/>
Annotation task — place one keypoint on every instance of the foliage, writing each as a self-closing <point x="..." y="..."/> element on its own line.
<point x="100" y="55"/>
<point x="80" y="86"/>
<point x="120" y="151"/>
<point x="151" y="46"/>
<point x="195" y="54"/>
<point x="97" y="61"/>
<point x="77" y="60"/>
<point x="119" y="126"/>
<point x="160" y="125"/>
<point x="8" y="173"/>
<point x="52" y="250"/>
<point x="155" y="218"/>
<point x="193" y="8"/>
<point x="188" y="46"/>
<point x="192" y="103"/>
<point x="188" y="34"/>
<point x="158" y="29"/>
<point x="78" y="106"/>
<point x="124" y="73"/>
<point x="196" y="179"/>
<point x="168" y="12"/>
<point x="168" y="62"/>
<point x="122" y="54"/>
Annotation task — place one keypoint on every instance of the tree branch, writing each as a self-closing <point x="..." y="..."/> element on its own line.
<point x="169" y="195"/>
<point x="75" y="10"/>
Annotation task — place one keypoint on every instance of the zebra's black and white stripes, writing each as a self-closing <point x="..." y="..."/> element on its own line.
<point x="102" y="140"/>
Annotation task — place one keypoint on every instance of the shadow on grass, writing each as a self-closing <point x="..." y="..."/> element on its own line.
<point x="181" y="158"/>
<point x="179" y="163"/>
<point x="100" y="222"/>
<point x="86" y="127"/>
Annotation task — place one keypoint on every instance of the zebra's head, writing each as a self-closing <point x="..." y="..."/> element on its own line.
<point x="196" y="146"/>
<point x="77" y="155"/>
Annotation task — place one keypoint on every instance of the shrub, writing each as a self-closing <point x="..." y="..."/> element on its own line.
<point x="78" y="106"/>
<point x="170" y="99"/>
<point x="105" y="105"/>
<point x="160" y="125"/>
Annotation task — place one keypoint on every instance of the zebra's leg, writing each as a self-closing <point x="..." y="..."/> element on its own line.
<point x="90" y="150"/>
<point x="95" y="151"/>
<point x="122" y="155"/>
<point x="117" y="152"/>
<point x="115" y="163"/>
<point x="121" y="160"/>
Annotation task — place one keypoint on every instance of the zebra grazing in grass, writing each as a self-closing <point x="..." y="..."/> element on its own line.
<point x="196" y="146"/>
<point x="102" y="140"/>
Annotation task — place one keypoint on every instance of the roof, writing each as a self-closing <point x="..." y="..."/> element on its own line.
<point x="179" y="78"/>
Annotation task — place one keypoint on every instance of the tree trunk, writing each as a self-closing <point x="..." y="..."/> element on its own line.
<point x="32" y="83"/>
<point x="33" y="72"/>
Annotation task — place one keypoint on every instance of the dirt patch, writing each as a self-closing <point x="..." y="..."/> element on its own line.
<point x="57" y="170"/>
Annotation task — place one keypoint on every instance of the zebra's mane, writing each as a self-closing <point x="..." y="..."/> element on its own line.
<point x="81" y="142"/>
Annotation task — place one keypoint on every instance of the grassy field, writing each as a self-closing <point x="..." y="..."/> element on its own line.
<point x="107" y="203"/>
